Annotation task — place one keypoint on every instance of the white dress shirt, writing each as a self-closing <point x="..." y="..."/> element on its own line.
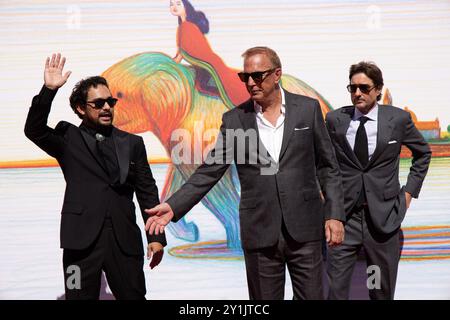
<point x="371" y="127"/>
<point x="271" y="136"/>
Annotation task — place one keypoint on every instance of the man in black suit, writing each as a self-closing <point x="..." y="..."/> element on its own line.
<point x="284" y="158"/>
<point x="367" y="138"/>
<point x="103" y="167"/>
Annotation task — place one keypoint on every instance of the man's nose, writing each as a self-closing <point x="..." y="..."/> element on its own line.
<point x="250" y="81"/>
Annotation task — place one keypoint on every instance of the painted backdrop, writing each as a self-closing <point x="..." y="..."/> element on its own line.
<point x="135" y="46"/>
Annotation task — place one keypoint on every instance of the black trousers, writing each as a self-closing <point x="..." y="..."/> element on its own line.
<point x="382" y="253"/>
<point x="124" y="273"/>
<point x="266" y="269"/>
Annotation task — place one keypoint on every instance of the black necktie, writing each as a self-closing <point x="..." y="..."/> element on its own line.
<point x="107" y="152"/>
<point x="361" y="148"/>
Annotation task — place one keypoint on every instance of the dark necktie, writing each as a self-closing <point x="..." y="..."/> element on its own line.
<point x="107" y="152"/>
<point x="361" y="148"/>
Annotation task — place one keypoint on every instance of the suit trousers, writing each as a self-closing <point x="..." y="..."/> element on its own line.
<point x="382" y="253"/>
<point x="124" y="272"/>
<point x="266" y="269"/>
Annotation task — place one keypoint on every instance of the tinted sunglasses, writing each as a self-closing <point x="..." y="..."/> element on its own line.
<point x="257" y="76"/>
<point x="99" y="103"/>
<point x="364" y="88"/>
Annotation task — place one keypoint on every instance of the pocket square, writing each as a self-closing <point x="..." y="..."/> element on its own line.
<point x="297" y="129"/>
<point x="392" y="141"/>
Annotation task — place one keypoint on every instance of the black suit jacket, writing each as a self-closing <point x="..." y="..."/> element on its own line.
<point x="385" y="198"/>
<point x="273" y="192"/>
<point x="89" y="195"/>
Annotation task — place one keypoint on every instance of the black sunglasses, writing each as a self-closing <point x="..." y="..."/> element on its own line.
<point x="364" y="88"/>
<point x="257" y="76"/>
<point x="99" y="103"/>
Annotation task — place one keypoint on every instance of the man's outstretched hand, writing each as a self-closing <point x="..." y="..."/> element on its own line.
<point x="160" y="216"/>
<point x="53" y="74"/>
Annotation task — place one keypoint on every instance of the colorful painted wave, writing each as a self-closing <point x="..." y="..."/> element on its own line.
<point x="426" y="243"/>
<point x="418" y="244"/>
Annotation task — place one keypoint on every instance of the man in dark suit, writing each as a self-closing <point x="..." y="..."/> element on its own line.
<point x="367" y="138"/>
<point x="103" y="167"/>
<point x="282" y="151"/>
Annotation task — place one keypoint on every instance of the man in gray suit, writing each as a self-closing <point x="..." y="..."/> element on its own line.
<point x="284" y="158"/>
<point x="367" y="138"/>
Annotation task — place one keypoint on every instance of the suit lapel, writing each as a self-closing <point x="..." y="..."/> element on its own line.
<point x="289" y="121"/>
<point x="248" y="120"/>
<point x="122" y="144"/>
<point x="248" y="116"/>
<point x="341" y="132"/>
<point x="384" y="131"/>
<point x="91" y="143"/>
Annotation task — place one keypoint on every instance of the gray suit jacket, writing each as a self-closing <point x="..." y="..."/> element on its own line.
<point x="385" y="198"/>
<point x="273" y="192"/>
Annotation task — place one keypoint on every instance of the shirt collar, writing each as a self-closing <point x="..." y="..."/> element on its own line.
<point x="106" y="131"/>
<point x="258" y="108"/>
<point x="372" y="115"/>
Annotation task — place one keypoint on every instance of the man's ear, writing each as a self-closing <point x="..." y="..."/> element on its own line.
<point x="81" y="110"/>
<point x="379" y="93"/>
<point x="278" y="74"/>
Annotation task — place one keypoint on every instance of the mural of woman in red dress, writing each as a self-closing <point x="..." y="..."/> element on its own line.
<point x="213" y="77"/>
<point x="193" y="47"/>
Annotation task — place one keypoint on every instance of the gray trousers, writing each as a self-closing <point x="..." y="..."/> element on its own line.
<point x="382" y="253"/>
<point x="266" y="269"/>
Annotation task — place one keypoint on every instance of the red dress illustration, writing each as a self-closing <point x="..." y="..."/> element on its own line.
<point x="195" y="49"/>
